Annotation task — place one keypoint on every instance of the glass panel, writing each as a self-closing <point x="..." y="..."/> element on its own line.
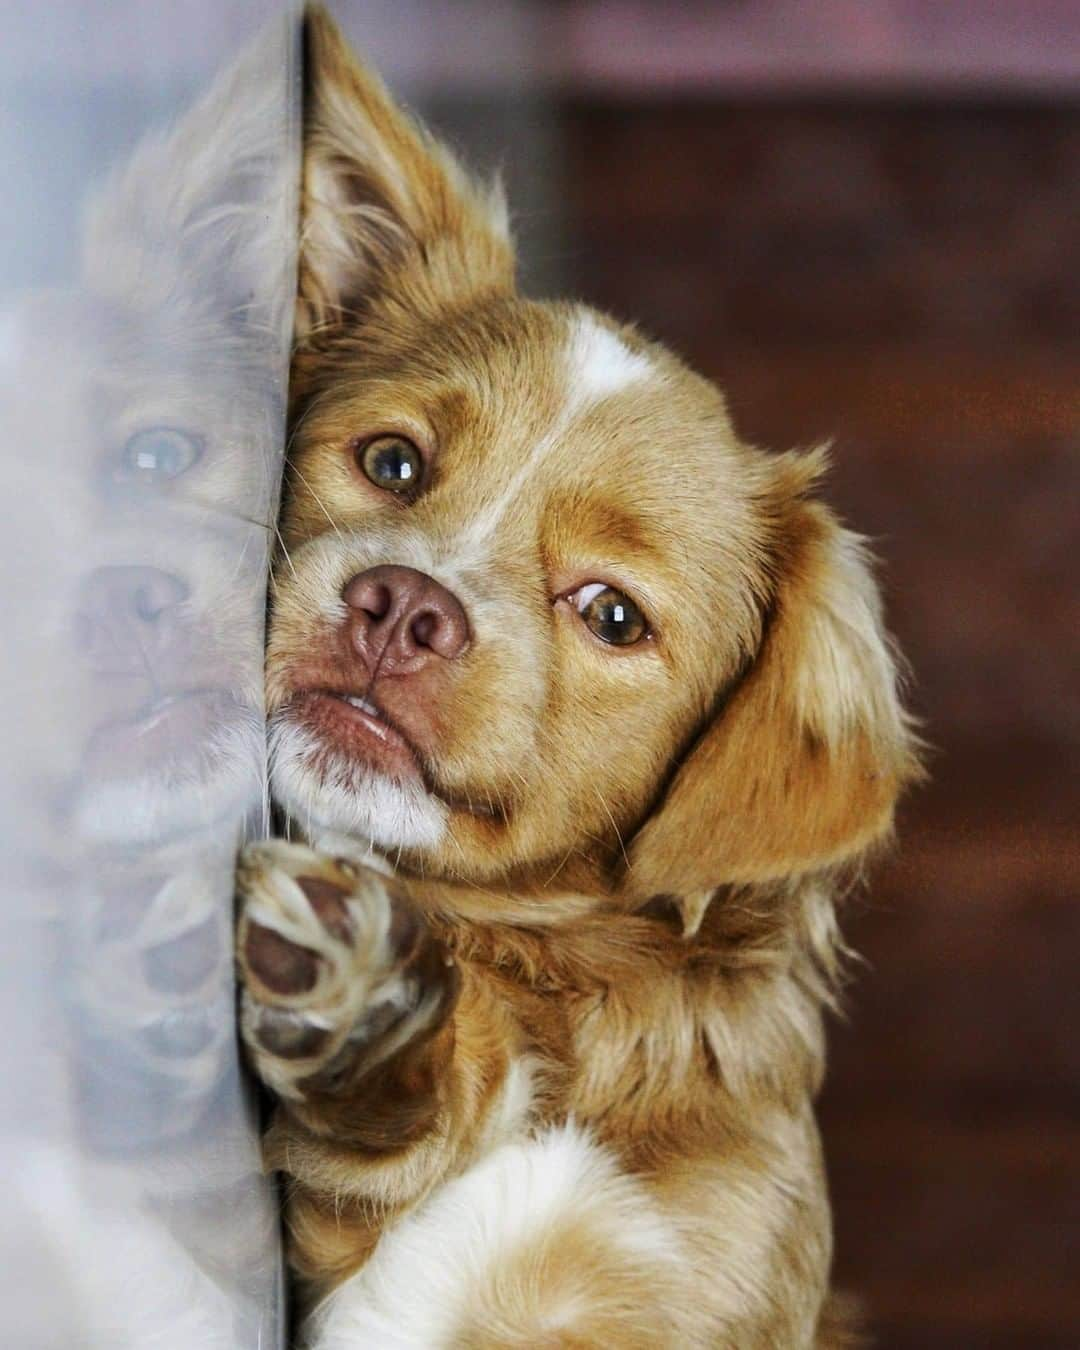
<point x="146" y="290"/>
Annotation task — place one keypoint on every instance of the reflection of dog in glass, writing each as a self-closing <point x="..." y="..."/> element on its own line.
<point x="610" y="690"/>
<point x="147" y="411"/>
<point x="194" y="268"/>
<point x="147" y="407"/>
<point x="148" y="404"/>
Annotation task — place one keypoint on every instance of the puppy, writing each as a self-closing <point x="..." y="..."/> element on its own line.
<point x="607" y="690"/>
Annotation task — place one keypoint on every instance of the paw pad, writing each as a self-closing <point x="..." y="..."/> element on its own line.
<point x="289" y="1035"/>
<point x="328" y="900"/>
<point x="281" y="965"/>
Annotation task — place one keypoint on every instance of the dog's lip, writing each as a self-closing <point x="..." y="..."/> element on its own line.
<point x="369" y="716"/>
<point x="365" y="716"/>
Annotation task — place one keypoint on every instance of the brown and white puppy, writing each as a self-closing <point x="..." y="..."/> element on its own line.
<point x="609" y="691"/>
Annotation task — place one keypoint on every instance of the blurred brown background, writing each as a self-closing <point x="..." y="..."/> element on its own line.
<point x="902" y="275"/>
<point x="863" y="218"/>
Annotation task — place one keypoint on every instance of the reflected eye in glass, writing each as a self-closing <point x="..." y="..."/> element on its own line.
<point x="156" y="454"/>
<point x="610" y="614"/>
<point x="392" y="463"/>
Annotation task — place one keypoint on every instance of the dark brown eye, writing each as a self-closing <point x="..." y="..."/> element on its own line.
<point x="610" y="614"/>
<point x="393" y="463"/>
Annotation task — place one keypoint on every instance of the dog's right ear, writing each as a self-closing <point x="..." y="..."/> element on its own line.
<point x="384" y="205"/>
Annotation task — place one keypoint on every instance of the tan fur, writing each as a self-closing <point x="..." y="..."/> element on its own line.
<point x="810" y="750"/>
<point x="379" y="196"/>
<point x="635" y="883"/>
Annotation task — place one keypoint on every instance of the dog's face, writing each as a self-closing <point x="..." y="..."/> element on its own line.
<point x="544" y="472"/>
<point x="540" y="613"/>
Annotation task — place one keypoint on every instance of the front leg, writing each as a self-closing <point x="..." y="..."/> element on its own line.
<point x="391" y="1063"/>
<point x="417" y="1142"/>
<point x="343" y="982"/>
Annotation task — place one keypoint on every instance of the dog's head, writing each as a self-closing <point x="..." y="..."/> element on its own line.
<point x="542" y="616"/>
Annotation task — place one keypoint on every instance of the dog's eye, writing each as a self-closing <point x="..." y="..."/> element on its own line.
<point x="157" y="453"/>
<point x="392" y="462"/>
<point x="610" y="614"/>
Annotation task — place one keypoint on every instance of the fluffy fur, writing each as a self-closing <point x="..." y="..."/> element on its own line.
<point x="616" y="866"/>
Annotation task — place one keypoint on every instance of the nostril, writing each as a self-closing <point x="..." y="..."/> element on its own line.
<point x="377" y="601"/>
<point x="440" y="626"/>
<point x="368" y="595"/>
<point x="424" y="627"/>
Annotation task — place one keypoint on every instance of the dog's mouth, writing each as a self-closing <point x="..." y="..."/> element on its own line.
<point x="355" y="725"/>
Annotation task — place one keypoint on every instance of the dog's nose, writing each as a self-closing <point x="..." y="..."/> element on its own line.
<point x="401" y="618"/>
<point x="126" y="611"/>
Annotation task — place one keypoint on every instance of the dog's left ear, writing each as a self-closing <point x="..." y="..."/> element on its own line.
<point x="385" y="207"/>
<point x="802" y="764"/>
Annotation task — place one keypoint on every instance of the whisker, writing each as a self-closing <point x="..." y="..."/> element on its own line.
<point x="618" y="835"/>
<point x="566" y="858"/>
<point x="295" y="468"/>
<point x="285" y="551"/>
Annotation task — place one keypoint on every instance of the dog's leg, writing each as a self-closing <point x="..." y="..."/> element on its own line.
<point x="391" y="1063"/>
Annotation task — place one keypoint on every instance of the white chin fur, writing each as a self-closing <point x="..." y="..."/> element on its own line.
<point x="329" y="793"/>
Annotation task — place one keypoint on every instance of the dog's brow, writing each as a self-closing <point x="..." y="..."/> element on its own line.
<point x="605" y="527"/>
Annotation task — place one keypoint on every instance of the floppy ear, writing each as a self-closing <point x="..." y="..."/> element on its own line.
<point x="801" y="766"/>
<point x="382" y="200"/>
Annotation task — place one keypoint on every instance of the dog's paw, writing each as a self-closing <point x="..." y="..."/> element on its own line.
<point x="337" y="967"/>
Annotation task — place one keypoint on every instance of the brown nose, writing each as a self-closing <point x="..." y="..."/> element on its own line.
<point x="401" y="618"/>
